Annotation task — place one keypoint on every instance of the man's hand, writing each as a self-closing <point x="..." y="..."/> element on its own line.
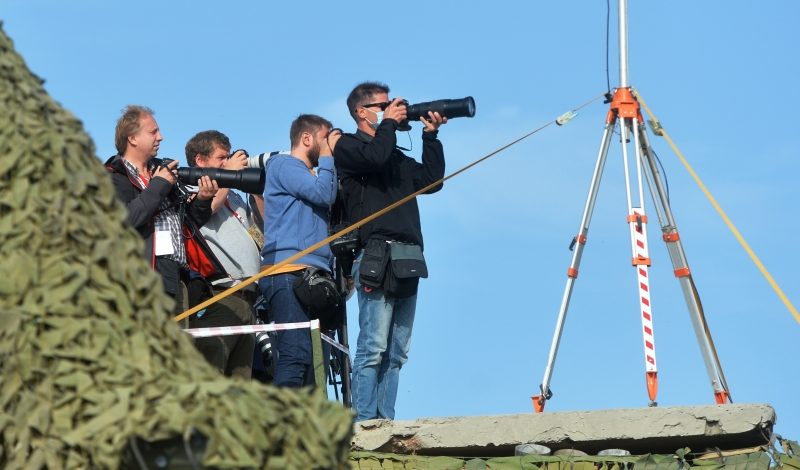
<point x="396" y="110"/>
<point x="350" y="286"/>
<point x="434" y="121"/>
<point x="168" y="172"/>
<point x="330" y="142"/>
<point x="207" y="188"/>
<point x="238" y="161"/>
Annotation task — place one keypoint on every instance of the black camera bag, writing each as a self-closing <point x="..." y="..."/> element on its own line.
<point x="317" y="293"/>
<point x="373" y="263"/>
<point x="406" y="266"/>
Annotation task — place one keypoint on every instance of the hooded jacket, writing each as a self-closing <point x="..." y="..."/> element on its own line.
<point x="374" y="174"/>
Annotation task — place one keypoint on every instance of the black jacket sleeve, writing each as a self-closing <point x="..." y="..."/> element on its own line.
<point x="199" y="211"/>
<point x="354" y="157"/>
<point x="142" y="207"/>
<point x="432" y="167"/>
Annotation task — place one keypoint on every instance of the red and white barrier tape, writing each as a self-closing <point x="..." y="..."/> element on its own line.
<point x="248" y="329"/>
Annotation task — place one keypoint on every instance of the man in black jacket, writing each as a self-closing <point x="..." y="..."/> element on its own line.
<point x="155" y="206"/>
<point x="374" y="173"/>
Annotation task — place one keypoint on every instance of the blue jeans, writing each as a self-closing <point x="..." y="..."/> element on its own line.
<point x="294" y="367"/>
<point x="384" y="338"/>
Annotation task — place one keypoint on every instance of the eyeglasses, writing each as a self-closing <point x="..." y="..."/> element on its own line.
<point x="382" y="105"/>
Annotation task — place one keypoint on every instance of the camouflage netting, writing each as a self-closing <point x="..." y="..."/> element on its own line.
<point x="89" y="356"/>
<point x="754" y="458"/>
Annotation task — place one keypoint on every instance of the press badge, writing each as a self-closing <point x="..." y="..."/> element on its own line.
<point x="164" y="243"/>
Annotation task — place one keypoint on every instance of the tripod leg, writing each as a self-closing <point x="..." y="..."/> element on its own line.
<point x="318" y="360"/>
<point x="342" y="333"/>
<point x="640" y="259"/>
<point x="577" y="246"/>
<point x="682" y="272"/>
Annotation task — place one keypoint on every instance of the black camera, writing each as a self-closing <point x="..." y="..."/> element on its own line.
<point x="346" y="244"/>
<point x="181" y="189"/>
<point x="464" y="107"/>
<point x="247" y="155"/>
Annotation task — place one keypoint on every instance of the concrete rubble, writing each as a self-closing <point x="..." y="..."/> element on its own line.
<point x="640" y="431"/>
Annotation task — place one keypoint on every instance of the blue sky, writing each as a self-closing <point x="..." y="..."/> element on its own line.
<point x="720" y="75"/>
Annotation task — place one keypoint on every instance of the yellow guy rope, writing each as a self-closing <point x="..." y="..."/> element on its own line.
<point x="724" y="216"/>
<point x="358" y="224"/>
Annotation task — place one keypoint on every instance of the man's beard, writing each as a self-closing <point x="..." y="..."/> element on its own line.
<point x="313" y="154"/>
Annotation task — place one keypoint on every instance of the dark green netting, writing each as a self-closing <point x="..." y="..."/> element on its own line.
<point x="89" y="353"/>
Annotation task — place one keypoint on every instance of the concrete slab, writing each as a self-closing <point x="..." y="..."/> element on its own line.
<point x="640" y="431"/>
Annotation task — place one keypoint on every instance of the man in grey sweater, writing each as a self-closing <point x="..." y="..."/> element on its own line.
<point x="232" y="251"/>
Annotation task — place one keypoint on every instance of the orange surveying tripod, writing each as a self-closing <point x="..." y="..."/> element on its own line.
<point x="625" y="111"/>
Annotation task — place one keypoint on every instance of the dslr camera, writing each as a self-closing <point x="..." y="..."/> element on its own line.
<point x="345" y="244"/>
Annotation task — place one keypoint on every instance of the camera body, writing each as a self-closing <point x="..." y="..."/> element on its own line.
<point x="182" y="189"/>
<point x="165" y="162"/>
<point x="346" y="244"/>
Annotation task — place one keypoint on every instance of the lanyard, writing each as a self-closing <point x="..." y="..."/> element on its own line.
<point x="235" y="214"/>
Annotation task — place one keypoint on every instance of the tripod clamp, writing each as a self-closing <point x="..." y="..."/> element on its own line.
<point x="539" y="400"/>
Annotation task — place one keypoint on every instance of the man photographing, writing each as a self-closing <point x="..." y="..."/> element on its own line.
<point x="228" y="243"/>
<point x="297" y="202"/>
<point x="374" y="173"/>
<point x="147" y="187"/>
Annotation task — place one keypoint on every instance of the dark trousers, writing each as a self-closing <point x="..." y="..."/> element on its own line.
<point x="294" y="367"/>
<point x="170" y="272"/>
<point x="173" y="279"/>
<point x="232" y="355"/>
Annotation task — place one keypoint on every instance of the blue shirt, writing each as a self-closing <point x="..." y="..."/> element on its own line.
<point x="297" y="206"/>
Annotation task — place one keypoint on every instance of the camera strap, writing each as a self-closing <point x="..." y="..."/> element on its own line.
<point x="250" y="228"/>
<point x="235" y="214"/>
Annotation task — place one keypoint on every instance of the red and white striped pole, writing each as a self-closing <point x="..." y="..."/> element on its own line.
<point x="641" y="261"/>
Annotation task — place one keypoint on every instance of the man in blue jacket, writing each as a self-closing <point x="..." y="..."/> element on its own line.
<point x="297" y="203"/>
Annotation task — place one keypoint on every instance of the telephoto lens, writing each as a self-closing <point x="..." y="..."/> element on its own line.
<point x="464" y="107"/>
<point x="248" y="180"/>
<point x="258" y="161"/>
<point x="264" y="344"/>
